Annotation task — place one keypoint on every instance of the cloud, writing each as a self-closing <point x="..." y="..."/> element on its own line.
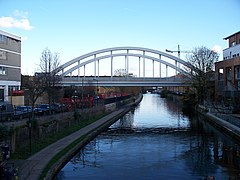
<point x="21" y="21"/>
<point x="217" y="48"/>
<point x="24" y="38"/>
<point x="20" y="14"/>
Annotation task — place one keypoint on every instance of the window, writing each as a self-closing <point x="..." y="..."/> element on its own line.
<point x="220" y="74"/>
<point x="3" y="39"/>
<point x="3" y="55"/>
<point x="14" y="88"/>
<point x="237" y="72"/>
<point x="2" y="70"/>
<point x="3" y="108"/>
<point x="229" y="73"/>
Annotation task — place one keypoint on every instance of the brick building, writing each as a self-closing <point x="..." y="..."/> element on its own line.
<point x="227" y="72"/>
<point x="10" y="64"/>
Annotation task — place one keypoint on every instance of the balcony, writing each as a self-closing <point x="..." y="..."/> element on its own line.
<point x="231" y="52"/>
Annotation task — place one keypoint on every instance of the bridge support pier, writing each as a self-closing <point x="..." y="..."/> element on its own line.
<point x="160" y="68"/>
<point x="111" y="66"/>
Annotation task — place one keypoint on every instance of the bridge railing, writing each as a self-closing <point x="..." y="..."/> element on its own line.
<point x="107" y="78"/>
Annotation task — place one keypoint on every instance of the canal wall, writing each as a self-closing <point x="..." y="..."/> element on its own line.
<point x="226" y="124"/>
<point x="21" y="134"/>
<point x="103" y="124"/>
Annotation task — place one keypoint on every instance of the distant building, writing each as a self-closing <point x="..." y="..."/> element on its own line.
<point x="227" y="72"/>
<point x="10" y="64"/>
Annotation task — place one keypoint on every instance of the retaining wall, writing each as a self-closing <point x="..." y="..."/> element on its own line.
<point x="229" y="128"/>
<point x="62" y="161"/>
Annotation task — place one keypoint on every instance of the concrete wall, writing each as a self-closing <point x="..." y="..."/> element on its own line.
<point x="16" y="100"/>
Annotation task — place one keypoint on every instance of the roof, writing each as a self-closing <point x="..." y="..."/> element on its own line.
<point x="231" y="35"/>
<point x="10" y="35"/>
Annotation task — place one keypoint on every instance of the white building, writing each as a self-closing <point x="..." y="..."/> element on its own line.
<point x="10" y="64"/>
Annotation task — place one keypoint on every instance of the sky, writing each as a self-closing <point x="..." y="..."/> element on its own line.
<point x="76" y="27"/>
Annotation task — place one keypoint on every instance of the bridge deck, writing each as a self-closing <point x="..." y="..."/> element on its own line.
<point x="121" y="81"/>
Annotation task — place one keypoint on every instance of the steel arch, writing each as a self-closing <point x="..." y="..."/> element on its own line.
<point x="111" y="50"/>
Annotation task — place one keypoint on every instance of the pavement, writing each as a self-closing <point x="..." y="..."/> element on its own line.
<point x="228" y="122"/>
<point x="32" y="168"/>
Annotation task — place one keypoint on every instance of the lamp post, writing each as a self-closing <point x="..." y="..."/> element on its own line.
<point x="75" y="100"/>
<point x="97" y="85"/>
<point x="82" y="95"/>
<point x="29" y="125"/>
<point x="96" y="93"/>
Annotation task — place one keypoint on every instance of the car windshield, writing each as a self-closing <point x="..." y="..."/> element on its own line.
<point x="21" y="108"/>
<point x="43" y="106"/>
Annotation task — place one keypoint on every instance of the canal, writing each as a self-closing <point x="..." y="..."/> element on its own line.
<point x="157" y="141"/>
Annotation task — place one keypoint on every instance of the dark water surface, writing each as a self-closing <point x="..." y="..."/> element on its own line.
<point x="156" y="141"/>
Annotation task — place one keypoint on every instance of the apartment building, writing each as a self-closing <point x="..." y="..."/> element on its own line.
<point x="227" y="72"/>
<point x="10" y="64"/>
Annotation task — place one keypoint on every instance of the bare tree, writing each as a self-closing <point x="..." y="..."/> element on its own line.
<point x="35" y="87"/>
<point x="49" y="62"/>
<point x="203" y="60"/>
<point x="120" y="72"/>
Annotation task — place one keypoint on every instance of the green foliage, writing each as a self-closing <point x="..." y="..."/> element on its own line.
<point x="60" y="155"/>
<point x="76" y="115"/>
<point x="4" y="132"/>
<point x="189" y="102"/>
<point x="164" y="93"/>
<point x="49" y="123"/>
<point x="23" y="153"/>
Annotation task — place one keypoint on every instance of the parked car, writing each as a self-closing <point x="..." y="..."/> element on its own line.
<point x="41" y="109"/>
<point x="6" y="111"/>
<point x="21" y="112"/>
<point x="64" y="108"/>
<point x="58" y="107"/>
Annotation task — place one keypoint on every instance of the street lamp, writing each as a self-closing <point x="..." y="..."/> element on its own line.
<point x="82" y="95"/>
<point x="75" y="100"/>
<point x="97" y="85"/>
<point x="96" y="93"/>
<point x="29" y="125"/>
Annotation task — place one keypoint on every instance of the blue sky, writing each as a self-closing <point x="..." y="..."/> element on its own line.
<point x="75" y="27"/>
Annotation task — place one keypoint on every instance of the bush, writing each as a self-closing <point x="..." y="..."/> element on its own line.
<point x="164" y="93"/>
<point x="76" y="115"/>
<point x="4" y="132"/>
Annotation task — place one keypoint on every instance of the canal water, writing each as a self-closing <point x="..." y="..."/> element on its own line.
<point x="157" y="141"/>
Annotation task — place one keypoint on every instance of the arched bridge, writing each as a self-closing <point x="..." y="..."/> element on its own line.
<point x="73" y="72"/>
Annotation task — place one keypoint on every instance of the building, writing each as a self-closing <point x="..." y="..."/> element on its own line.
<point x="10" y="64"/>
<point x="227" y="72"/>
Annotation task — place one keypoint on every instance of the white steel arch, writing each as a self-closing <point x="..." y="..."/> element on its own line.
<point x="114" y="52"/>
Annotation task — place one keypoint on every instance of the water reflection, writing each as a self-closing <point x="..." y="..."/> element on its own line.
<point x="157" y="143"/>
<point x="154" y="112"/>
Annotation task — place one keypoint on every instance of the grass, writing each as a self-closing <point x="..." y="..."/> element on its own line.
<point x="59" y="155"/>
<point x="24" y="153"/>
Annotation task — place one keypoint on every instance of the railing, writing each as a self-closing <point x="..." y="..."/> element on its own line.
<point x="108" y="78"/>
<point x="121" y="81"/>
<point x="231" y="52"/>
